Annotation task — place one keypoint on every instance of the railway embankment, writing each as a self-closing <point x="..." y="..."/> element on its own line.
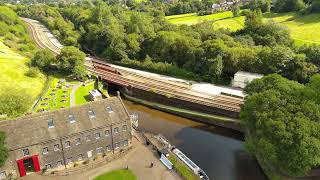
<point x="212" y="118"/>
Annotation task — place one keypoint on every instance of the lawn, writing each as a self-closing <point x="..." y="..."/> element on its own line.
<point x="193" y="18"/>
<point x="82" y="93"/>
<point x="303" y="29"/>
<point x="56" y="97"/>
<point x="117" y="175"/>
<point x="13" y="70"/>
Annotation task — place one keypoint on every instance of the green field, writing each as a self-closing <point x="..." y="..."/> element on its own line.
<point x="117" y="175"/>
<point x="82" y="93"/>
<point x="13" y="70"/>
<point x="193" y="18"/>
<point x="303" y="29"/>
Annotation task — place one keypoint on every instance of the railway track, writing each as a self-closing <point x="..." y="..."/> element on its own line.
<point x="129" y="78"/>
<point x="160" y="83"/>
<point x="39" y="37"/>
<point x="223" y="104"/>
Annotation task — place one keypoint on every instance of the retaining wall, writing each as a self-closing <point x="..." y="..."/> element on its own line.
<point x="155" y="101"/>
<point x="178" y="103"/>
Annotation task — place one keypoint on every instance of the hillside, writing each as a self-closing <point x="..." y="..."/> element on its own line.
<point x="13" y="72"/>
<point x="304" y="29"/>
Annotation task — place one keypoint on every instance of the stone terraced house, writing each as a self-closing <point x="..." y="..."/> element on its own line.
<point x="60" y="138"/>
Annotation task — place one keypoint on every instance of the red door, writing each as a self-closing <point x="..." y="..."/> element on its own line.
<point x="36" y="164"/>
<point x="22" y="169"/>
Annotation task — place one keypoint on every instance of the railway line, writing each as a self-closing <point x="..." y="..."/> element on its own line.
<point x="176" y="93"/>
<point x="129" y="78"/>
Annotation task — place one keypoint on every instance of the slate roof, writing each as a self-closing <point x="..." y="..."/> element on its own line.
<point x="33" y="129"/>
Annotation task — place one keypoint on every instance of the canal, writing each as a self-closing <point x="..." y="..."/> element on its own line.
<point x="218" y="151"/>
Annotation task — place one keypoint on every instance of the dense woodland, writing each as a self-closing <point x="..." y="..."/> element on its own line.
<point x="146" y="40"/>
<point x="282" y="121"/>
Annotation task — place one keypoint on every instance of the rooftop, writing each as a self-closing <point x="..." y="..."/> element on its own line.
<point x="42" y="127"/>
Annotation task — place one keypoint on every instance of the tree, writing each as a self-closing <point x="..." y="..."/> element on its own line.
<point x="316" y="5"/>
<point x="253" y="20"/>
<point x="282" y="124"/>
<point x="43" y="59"/>
<point x="71" y="60"/>
<point x="236" y="11"/>
<point x="14" y="102"/>
<point x="4" y="154"/>
<point x="215" y="70"/>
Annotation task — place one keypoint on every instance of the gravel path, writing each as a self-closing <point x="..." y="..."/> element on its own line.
<point x="73" y="94"/>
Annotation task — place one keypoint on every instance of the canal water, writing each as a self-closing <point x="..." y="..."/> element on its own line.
<point x="218" y="151"/>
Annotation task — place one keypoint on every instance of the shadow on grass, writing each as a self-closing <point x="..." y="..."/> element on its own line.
<point x="87" y="98"/>
<point x="295" y="16"/>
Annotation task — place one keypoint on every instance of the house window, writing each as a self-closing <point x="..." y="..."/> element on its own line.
<point x="91" y="114"/>
<point x="125" y="142"/>
<point x="45" y="150"/>
<point x="56" y="147"/>
<point x="87" y="138"/>
<point x="109" y="109"/>
<point x="67" y="144"/>
<point x="59" y="163"/>
<point x="50" y="123"/>
<point x="116" y="146"/>
<point x="109" y="148"/>
<point x="25" y="152"/>
<point x="124" y="128"/>
<point x="3" y="174"/>
<point x="99" y="150"/>
<point x="48" y="166"/>
<point x="69" y="160"/>
<point x="72" y="119"/>
<point x="97" y="135"/>
<point x="78" y="141"/>
<point x="116" y="130"/>
<point x="107" y="132"/>
<point x="80" y="157"/>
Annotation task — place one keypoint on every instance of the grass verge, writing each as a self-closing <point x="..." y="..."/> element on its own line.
<point x="82" y="93"/>
<point x="122" y="174"/>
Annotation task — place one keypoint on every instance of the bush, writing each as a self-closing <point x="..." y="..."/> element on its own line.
<point x="33" y="72"/>
<point x="203" y="13"/>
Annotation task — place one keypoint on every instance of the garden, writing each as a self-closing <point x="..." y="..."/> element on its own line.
<point x="57" y="96"/>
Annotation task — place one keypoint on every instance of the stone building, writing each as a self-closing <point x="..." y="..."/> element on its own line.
<point x="60" y="138"/>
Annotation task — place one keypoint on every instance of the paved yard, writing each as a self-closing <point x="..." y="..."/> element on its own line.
<point x="138" y="160"/>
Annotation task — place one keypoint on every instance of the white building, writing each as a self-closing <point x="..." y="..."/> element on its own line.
<point x="241" y="78"/>
<point x="95" y="95"/>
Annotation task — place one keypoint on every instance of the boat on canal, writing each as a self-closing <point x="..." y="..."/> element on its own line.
<point x="164" y="146"/>
<point x="196" y="169"/>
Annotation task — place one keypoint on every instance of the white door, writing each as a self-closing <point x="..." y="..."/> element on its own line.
<point x="89" y="154"/>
